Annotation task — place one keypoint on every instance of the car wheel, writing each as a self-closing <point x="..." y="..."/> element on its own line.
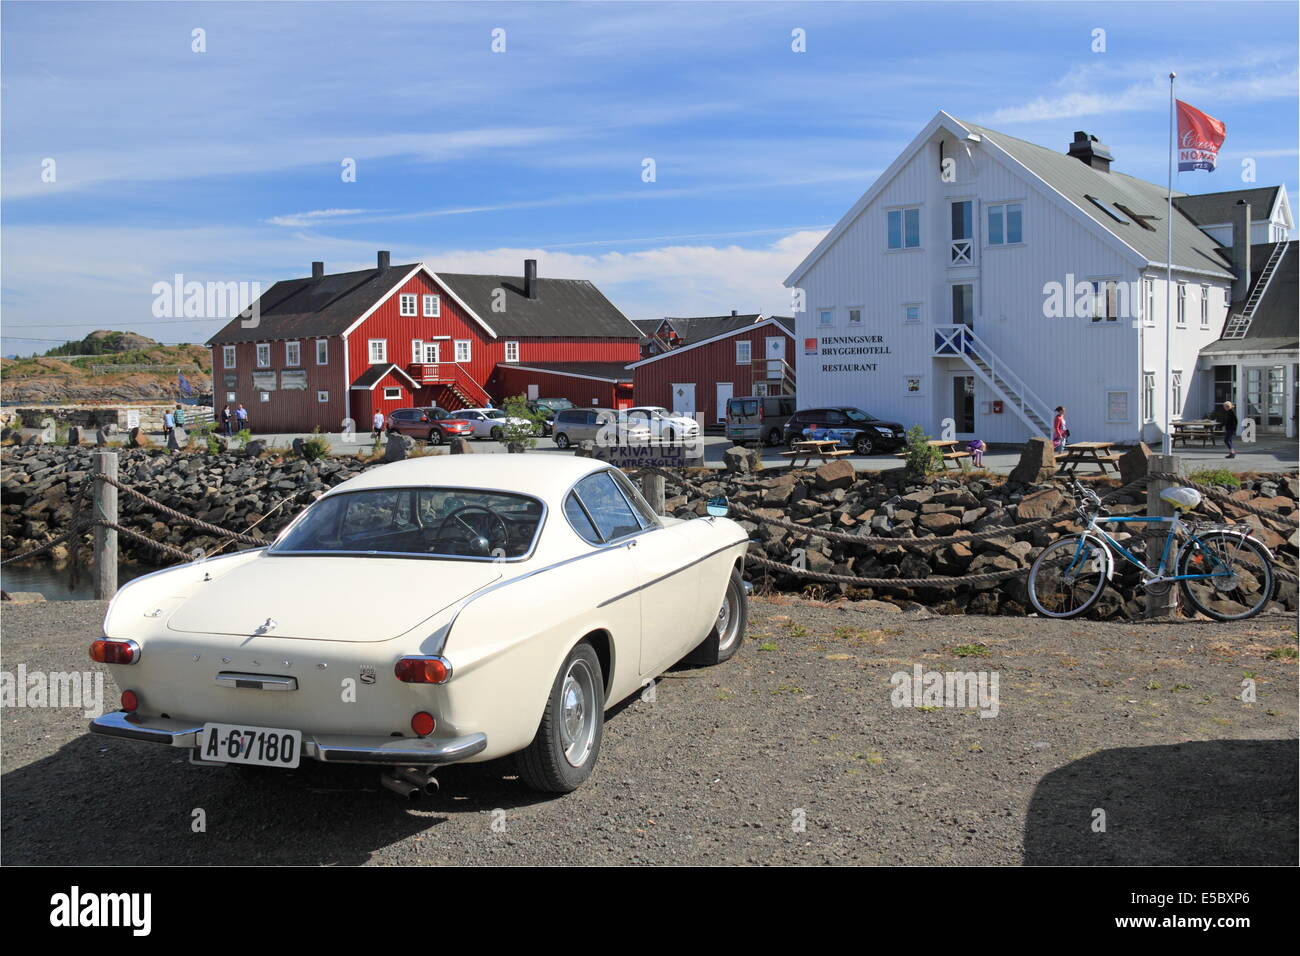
<point x="561" y="441"/>
<point x="863" y="445"/>
<point x="773" y="438"/>
<point x="567" y="744"/>
<point x="435" y="437"/>
<point x="729" y="629"/>
<point x="496" y="433"/>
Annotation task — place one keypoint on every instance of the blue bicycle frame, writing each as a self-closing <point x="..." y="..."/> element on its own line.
<point x="1149" y="576"/>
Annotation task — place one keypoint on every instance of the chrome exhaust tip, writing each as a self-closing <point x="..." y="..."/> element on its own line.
<point x="400" y="787"/>
<point x="422" y="779"/>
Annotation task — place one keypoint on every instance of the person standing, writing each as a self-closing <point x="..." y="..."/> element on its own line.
<point x="226" y="417"/>
<point x="378" y="429"/>
<point x="1228" y="417"/>
<point x="241" y="417"/>
<point x="1059" y="430"/>
<point x="178" y="416"/>
<point x="169" y="422"/>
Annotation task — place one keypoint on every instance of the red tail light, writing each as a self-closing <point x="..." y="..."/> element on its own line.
<point x="422" y="724"/>
<point x="130" y="701"/>
<point x="422" y="670"/>
<point x="107" y="651"/>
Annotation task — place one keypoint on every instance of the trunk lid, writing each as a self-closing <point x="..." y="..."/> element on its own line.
<point x="329" y="598"/>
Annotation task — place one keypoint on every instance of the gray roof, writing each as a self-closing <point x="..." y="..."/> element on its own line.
<point x="611" y="371"/>
<point x="1274" y="324"/>
<point x="698" y="328"/>
<point x="1213" y="209"/>
<point x="294" y="308"/>
<point x="1076" y="180"/>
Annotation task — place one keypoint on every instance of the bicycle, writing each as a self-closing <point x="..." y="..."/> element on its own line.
<point x="1222" y="571"/>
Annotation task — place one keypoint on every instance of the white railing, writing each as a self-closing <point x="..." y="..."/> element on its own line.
<point x="962" y="342"/>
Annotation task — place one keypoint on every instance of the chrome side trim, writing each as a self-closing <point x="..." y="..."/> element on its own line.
<point x="256" y="681"/>
<point x="412" y="752"/>
<point x="665" y="577"/>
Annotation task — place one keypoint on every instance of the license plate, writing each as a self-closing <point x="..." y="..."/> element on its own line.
<point x="262" y="746"/>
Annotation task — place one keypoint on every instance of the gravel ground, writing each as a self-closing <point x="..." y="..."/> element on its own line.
<point x="791" y="753"/>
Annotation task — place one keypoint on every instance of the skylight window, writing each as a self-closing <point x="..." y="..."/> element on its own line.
<point x="1107" y="210"/>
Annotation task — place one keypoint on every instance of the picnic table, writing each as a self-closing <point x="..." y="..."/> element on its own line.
<point x="949" y="450"/>
<point x="1204" y="430"/>
<point x="825" y="449"/>
<point x="1087" y="453"/>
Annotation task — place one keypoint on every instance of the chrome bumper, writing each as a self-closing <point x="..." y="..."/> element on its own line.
<point x="327" y="748"/>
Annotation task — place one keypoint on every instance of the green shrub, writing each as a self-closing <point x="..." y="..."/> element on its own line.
<point x="922" y="458"/>
<point x="316" y="446"/>
<point x="514" y="433"/>
<point x="1215" y="476"/>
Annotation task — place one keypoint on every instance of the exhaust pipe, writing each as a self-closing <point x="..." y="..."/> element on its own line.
<point x="419" y="777"/>
<point x="409" y="782"/>
<point x="399" y="787"/>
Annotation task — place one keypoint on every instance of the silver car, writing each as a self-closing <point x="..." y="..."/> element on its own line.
<point x="601" y="425"/>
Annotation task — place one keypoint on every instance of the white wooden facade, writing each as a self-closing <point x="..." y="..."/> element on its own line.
<point x="872" y="315"/>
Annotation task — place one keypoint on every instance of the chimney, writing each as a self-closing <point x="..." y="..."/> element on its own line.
<point x="530" y="278"/>
<point x="383" y="259"/>
<point x="734" y="313"/>
<point x="1241" y="251"/>
<point x="1091" y="151"/>
<point x="317" y="270"/>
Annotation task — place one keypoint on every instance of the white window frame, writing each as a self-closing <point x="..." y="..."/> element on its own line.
<point x="322" y="351"/>
<point x="855" y="323"/>
<point x="744" y="352"/>
<point x="1205" y="306"/>
<point x="1128" y="405"/>
<point x="417" y="350"/>
<point x="1181" y="315"/>
<point x="228" y="355"/>
<point x="512" y="351"/>
<point x="825" y="318"/>
<point x="377" y="356"/>
<point x="230" y="397"/>
<point x="293" y="354"/>
<point x="1148" y="396"/>
<point x="1001" y="209"/>
<point x="902" y="212"/>
<point x="432" y="306"/>
<point x="1149" y="301"/>
<point x="263" y="350"/>
<point x="389" y="391"/>
<point x="263" y="396"/>
<point x="920" y="386"/>
<point x="406" y="304"/>
<point x="912" y="305"/>
<point x="322" y="397"/>
<point x="463" y="347"/>
<point x="1175" y="393"/>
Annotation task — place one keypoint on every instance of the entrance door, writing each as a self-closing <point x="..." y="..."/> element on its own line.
<point x="684" y="399"/>
<point x="431" y="353"/>
<point x="725" y="391"/>
<point x="963" y="403"/>
<point x="963" y="305"/>
<point x="1266" y="397"/>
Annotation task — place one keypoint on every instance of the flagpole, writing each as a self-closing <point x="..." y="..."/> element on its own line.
<point x="1167" y="447"/>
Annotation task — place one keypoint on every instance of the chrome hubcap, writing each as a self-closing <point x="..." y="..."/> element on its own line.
<point x="578" y="701"/>
<point x="728" y="618"/>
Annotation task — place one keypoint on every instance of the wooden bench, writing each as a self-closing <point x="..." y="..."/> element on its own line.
<point x="953" y="456"/>
<point x="809" y="454"/>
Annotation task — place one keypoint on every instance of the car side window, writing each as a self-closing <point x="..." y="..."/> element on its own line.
<point x="607" y="506"/>
<point x="835" y="418"/>
<point x="579" y="521"/>
<point x="642" y="507"/>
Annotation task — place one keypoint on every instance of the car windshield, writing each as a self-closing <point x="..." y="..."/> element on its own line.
<point x="493" y="413"/>
<point x="858" y="415"/>
<point x="417" y="522"/>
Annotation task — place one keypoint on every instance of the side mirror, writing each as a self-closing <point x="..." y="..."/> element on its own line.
<point x="717" y="507"/>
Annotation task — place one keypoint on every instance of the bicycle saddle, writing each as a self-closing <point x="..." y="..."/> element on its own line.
<point x="1181" y="499"/>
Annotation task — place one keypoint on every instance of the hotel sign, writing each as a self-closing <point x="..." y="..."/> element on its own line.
<point x="848" y="353"/>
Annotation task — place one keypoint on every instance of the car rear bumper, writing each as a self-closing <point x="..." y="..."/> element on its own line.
<point x="327" y="748"/>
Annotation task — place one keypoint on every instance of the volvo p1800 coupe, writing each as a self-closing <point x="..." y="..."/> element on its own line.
<point x="432" y="611"/>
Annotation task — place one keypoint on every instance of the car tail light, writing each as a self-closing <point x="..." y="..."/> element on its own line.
<point x="108" y="651"/>
<point x="130" y="701"/>
<point x="423" y="670"/>
<point x="423" y="724"/>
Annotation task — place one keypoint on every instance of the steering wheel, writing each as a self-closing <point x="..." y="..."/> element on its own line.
<point x="480" y="528"/>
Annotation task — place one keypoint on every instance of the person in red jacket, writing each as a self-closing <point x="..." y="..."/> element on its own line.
<point x="1059" y="432"/>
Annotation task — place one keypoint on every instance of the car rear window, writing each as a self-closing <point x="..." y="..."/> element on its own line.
<point x="742" y="406"/>
<point x="417" y="522"/>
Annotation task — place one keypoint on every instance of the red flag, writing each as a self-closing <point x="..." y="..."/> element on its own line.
<point x="1199" y="138"/>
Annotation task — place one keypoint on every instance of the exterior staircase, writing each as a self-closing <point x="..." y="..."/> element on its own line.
<point x="776" y="374"/>
<point x="1239" y="322"/>
<point x="960" y="341"/>
<point x="456" y="388"/>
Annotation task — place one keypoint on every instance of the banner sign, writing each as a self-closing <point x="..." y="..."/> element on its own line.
<point x="653" y="456"/>
<point x="1199" y="138"/>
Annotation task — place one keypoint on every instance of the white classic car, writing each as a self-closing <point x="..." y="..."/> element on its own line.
<point x="432" y="611"/>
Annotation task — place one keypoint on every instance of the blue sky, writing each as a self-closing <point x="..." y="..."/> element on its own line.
<point x="225" y="165"/>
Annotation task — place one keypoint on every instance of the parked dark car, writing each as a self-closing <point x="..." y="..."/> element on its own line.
<point x="434" y="425"/>
<point x="865" y="433"/>
<point x="547" y="408"/>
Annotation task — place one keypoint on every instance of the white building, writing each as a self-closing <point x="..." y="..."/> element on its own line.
<point x="983" y="280"/>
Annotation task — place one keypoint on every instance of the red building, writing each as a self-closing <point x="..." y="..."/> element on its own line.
<point x="329" y="348"/>
<point x="744" y="355"/>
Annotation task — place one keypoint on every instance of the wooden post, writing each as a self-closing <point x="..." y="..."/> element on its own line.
<point x="652" y="488"/>
<point x="105" y="463"/>
<point x="1163" y="600"/>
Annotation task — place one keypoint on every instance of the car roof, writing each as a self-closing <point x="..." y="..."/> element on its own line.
<point x="546" y="476"/>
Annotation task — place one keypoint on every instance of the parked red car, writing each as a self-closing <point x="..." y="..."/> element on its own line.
<point x="434" y="425"/>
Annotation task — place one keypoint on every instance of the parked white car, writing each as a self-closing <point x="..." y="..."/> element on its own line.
<point x="489" y="422"/>
<point x="427" y="612"/>
<point x="664" y="425"/>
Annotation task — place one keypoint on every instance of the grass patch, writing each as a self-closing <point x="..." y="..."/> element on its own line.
<point x="1215" y="476"/>
<point x="971" y="650"/>
<point x="1282" y="653"/>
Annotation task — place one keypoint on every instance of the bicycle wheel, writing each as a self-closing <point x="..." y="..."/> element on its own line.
<point x="1068" y="577"/>
<point x="1241" y="581"/>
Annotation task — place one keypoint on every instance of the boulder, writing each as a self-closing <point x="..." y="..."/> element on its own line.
<point x="398" y="446"/>
<point x="460" y="446"/>
<point x="835" y="474"/>
<point x="104" y="433"/>
<point x="1133" y="463"/>
<point x="74" y="436"/>
<point x="254" y="448"/>
<point x="1041" y="504"/>
<point x="136" y="438"/>
<point x="939" y="522"/>
<point x="1037" y="462"/>
<point x="738" y="460"/>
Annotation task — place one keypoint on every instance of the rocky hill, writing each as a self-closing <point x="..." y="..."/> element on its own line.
<point x="50" y="379"/>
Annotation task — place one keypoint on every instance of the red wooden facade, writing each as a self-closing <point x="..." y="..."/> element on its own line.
<point x="711" y="371"/>
<point x="464" y="372"/>
<point x="584" y="391"/>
